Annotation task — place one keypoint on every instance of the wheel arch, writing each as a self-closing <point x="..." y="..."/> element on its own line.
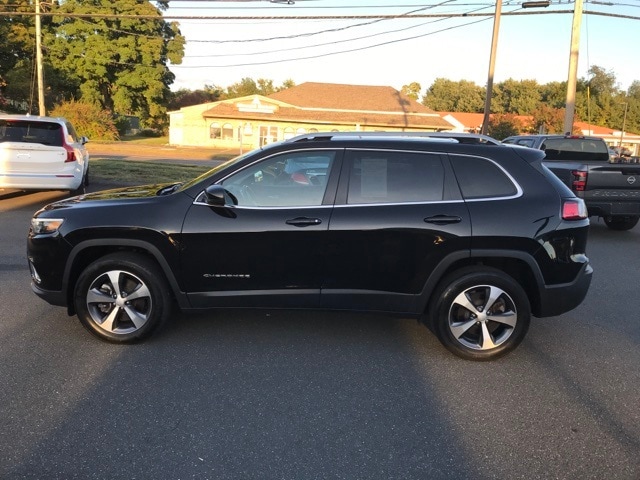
<point x="89" y="251"/>
<point x="521" y="266"/>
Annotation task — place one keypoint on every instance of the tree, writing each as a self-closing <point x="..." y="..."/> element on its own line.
<point x="519" y="97"/>
<point x="633" y="111"/>
<point x="595" y="97"/>
<point x="554" y="94"/>
<point x="17" y="33"/>
<point x="412" y="90"/>
<point x="448" y="96"/>
<point x="246" y="86"/>
<point x="121" y="63"/>
<point x="21" y="88"/>
<point x="502" y="126"/>
<point x="547" y="119"/>
<point x="288" y="83"/>
<point x="185" y="97"/>
<point x="88" y="119"/>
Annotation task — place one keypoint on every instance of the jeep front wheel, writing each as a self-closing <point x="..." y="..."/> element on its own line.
<point x="480" y="313"/>
<point x="122" y="298"/>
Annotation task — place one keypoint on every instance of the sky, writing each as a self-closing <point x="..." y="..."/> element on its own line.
<point x="398" y="51"/>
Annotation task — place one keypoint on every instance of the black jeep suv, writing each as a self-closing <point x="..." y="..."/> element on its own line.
<point x="472" y="237"/>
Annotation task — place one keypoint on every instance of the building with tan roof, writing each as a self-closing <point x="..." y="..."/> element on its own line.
<point x="252" y="121"/>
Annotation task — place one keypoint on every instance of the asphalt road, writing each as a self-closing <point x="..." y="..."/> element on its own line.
<point x="289" y="395"/>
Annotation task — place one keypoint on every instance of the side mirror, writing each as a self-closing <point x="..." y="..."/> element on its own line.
<point x="84" y="140"/>
<point x="218" y="196"/>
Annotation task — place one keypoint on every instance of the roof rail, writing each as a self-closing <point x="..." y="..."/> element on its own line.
<point x="451" y="136"/>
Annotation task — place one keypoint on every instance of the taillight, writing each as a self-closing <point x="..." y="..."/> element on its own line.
<point x="574" y="209"/>
<point x="579" y="182"/>
<point x="71" y="154"/>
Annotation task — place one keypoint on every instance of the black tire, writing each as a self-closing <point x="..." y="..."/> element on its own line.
<point x="82" y="188"/>
<point x="622" y="223"/>
<point x="108" y="312"/>
<point x="459" y="317"/>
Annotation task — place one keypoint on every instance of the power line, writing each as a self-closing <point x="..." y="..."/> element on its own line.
<point x="333" y="53"/>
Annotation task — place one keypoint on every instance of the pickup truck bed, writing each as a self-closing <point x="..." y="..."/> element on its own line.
<point x="610" y="188"/>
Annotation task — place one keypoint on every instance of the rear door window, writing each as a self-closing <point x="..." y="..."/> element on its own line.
<point x="394" y="177"/>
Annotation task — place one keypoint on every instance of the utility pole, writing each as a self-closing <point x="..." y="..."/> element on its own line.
<point x="492" y="64"/>
<point x="624" y="124"/>
<point x="41" y="108"/>
<point x="572" y="80"/>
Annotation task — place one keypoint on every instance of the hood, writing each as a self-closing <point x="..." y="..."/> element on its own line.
<point x="126" y="192"/>
<point x="116" y="195"/>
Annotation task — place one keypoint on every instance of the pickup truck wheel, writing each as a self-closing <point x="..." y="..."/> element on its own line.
<point x="122" y="298"/>
<point x="480" y="313"/>
<point x="621" y="223"/>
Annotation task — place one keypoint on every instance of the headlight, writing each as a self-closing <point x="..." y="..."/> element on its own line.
<point x="45" y="225"/>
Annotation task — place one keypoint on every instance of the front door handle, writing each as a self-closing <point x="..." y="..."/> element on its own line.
<point x="443" y="219"/>
<point x="303" y="222"/>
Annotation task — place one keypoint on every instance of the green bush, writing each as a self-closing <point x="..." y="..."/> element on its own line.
<point x="150" y="133"/>
<point x="89" y="120"/>
<point x="122" y="125"/>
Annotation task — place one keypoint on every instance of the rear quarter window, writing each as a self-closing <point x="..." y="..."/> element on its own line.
<point x="481" y="178"/>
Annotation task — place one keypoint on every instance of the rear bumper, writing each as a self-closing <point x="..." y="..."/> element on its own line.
<point x="627" y="203"/>
<point x="559" y="299"/>
<point x="40" y="182"/>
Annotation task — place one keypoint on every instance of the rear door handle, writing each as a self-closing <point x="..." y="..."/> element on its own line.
<point x="443" y="219"/>
<point x="303" y="222"/>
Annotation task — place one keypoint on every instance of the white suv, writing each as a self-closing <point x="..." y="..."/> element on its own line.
<point x="42" y="153"/>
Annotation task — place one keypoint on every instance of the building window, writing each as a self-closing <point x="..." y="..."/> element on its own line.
<point x="288" y="133"/>
<point x="227" y="131"/>
<point x="215" y="131"/>
<point x="301" y="131"/>
<point x="268" y="134"/>
<point x="313" y="130"/>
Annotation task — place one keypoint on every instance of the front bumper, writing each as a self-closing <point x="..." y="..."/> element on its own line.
<point x="53" y="297"/>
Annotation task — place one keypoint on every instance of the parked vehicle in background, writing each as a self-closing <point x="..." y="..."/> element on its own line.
<point x="42" y="153"/>
<point x="609" y="187"/>
<point x="473" y="237"/>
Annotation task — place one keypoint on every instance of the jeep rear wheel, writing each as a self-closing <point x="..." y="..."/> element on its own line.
<point x="621" y="223"/>
<point x="480" y="313"/>
<point x="122" y="298"/>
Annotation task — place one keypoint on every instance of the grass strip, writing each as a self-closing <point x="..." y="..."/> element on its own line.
<point x="128" y="172"/>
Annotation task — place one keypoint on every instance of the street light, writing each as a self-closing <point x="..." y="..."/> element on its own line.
<point x="544" y="4"/>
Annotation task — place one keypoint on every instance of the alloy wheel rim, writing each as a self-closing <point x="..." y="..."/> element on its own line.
<point x="482" y="317"/>
<point x="119" y="302"/>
